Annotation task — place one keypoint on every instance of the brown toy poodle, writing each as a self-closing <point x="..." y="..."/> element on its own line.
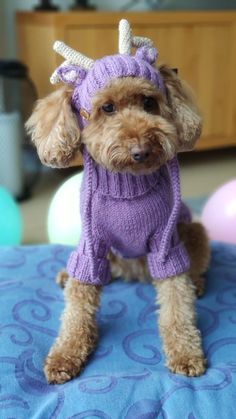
<point x="135" y="123"/>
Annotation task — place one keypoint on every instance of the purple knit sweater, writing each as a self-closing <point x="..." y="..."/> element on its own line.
<point x="132" y="215"/>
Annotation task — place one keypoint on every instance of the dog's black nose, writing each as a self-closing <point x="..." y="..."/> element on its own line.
<point x="140" y="154"/>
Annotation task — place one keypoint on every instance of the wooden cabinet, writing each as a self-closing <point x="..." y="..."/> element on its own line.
<point x="202" y="45"/>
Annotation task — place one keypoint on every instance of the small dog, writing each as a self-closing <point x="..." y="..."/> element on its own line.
<point x="129" y="119"/>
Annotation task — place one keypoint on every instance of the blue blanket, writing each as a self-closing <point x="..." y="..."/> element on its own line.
<point x="125" y="377"/>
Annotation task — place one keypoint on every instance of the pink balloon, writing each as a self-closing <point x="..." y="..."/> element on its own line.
<point x="219" y="214"/>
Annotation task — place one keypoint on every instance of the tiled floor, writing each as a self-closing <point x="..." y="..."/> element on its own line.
<point x="201" y="173"/>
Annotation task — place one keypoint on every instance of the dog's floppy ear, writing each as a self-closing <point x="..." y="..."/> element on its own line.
<point x="184" y="109"/>
<point x="54" y="129"/>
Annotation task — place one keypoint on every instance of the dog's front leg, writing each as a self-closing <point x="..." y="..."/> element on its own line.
<point x="177" y="322"/>
<point x="78" y="333"/>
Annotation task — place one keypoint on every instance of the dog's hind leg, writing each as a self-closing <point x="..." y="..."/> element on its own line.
<point x="196" y="242"/>
<point x="78" y="333"/>
<point x="129" y="269"/>
<point x="62" y="278"/>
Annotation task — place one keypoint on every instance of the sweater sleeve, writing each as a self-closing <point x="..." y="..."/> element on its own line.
<point x="90" y="269"/>
<point x="175" y="262"/>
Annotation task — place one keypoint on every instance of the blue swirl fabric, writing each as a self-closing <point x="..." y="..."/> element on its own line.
<point x="125" y="378"/>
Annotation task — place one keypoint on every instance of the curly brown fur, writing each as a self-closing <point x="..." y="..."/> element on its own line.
<point x="54" y="129"/>
<point x="177" y="324"/>
<point x="78" y="334"/>
<point x="169" y="124"/>
<point x="110" y="139"/>
<point x="62" y="278"/>
<point x="197" y="244"/>
<point x="130" y="269"/>
<point x="184" y="109"/>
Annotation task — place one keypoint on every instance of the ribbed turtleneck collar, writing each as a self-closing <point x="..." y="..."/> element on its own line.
<point x="123" y="185"/>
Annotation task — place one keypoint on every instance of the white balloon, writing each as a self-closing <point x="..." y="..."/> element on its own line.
<point x="219" y="213"/>
<point x="64" y="221"/>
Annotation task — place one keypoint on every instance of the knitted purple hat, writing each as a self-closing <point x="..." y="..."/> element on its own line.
<point x="88" y="76"/>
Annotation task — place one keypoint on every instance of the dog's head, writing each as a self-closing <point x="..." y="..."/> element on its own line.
<point x="131" y="115"/>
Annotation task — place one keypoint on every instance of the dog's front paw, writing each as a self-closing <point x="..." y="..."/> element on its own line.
<point x="59" y="369"/>
<point x="192" y="366"/>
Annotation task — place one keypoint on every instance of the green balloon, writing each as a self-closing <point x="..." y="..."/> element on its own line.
<point x="11" y="225"/>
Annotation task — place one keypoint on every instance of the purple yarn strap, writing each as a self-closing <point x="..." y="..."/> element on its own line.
<point x="173" y="167"/>
<point x="88" y="213"/>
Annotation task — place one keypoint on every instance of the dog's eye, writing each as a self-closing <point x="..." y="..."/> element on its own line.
<point x="109" y="107"/>
<point x="149" y="104"/>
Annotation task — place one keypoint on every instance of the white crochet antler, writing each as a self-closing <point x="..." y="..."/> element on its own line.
<point x="72" y="57"/>
<point x="125" y="37"/>
<point x="141" y="41"/>
<point x="127" y="40"/>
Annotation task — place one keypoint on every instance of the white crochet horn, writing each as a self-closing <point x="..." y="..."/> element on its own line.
<point x="127" y="41"/>
<point x="72" y="57"/>
<point x="125" y="37"/>
<point x="141" y="41"/>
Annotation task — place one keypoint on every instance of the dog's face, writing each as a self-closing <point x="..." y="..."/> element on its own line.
<point x="133" y="127"/>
